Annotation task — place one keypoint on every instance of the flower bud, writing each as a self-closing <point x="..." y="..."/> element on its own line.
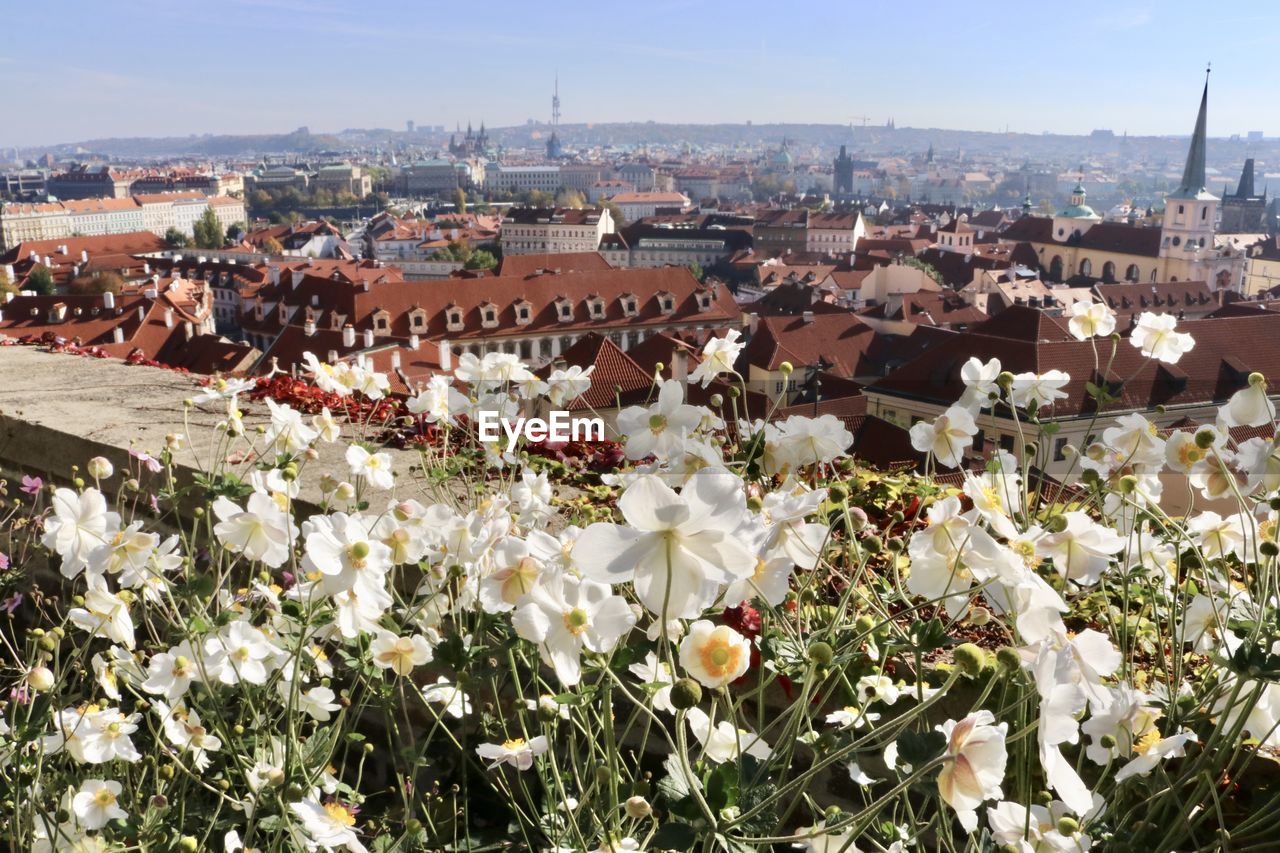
<point x="873" y="544"/>
<point x="1128" y="484"/>
<point x="40" y="678"/>
<point x="48" y="643"/>
<point x="858" y="520"/>
<point x="100" y="468"/>
<point x="1042" y="798"/>
<point x="686" y="693"/>
<point x="1107" y="741"/>
<point x="1008" y="659"/>
<point x="174" y="441"/>
<point x="188" y="844"/>
<point x="971" y="659"/>
<point x="1257" y="380"/>
<point x="1004" y="380"/>
<point x="159" y="802"/>
<point x="78" y="482"/>
<point x="1068" y="826"/>
<point x="734" y="393"/>
<point x="1268" y="548"/>
<point x="786" y="369"/>
<point x="132" y="484"/>
<point x="717" y="400"/>
<point x="1056" y="524"/>
<point x="821" y="653"/>
<point x="345" y="492"/>
<point x="865" y="624"/>
<point x="1204" y="438"/>
<point x="754" y="503"/>
<point x="838" y="493"/>
<point x="638" y="807"/>
<point x="979" y="616"/>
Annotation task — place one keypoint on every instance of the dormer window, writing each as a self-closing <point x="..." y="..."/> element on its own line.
<point x="595" y="306"/>
<point x="417" y="320"/>
<point x="257" y="311"/>
<point x="489" y="315"/>
<point x="666" y="303"/>
<point x="629" y="305"/>
<point x="453" y="318"/>
<point x="704" y="301"/>
<point x="564" y="310"/>
<point x="283" y="314"/>
<point x="524" y="313"/>
<point x="335" y="322"/>
<point x="381" y="322"/>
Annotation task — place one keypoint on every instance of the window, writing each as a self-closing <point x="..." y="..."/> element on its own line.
<point x="1204" y="213"/>
<point x="1006" y="443"/>
<point x="978" y="438"/>
<point x="1059" y="449"/>
<point x="1181" y="209"/>
<point x="596" y="307"/>
<point x="454" y="319"/>
<point x="565" y="309"/>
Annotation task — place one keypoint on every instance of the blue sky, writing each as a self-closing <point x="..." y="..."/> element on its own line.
<point x="74" y="70"/>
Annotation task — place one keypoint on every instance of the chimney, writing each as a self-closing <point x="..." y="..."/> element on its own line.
<point x="309" y="328"/>
<point x="348" y="336"/>
<point x="297" y="276"/>
<point x="118" y="335"/>
<point x="368" y="338"/>
<point x="680" y="366"/>
<point x="188" y="330"/>
<point x="58" y="313"/>
<point x="413" y="342"/>
<point x="142" y="313"/>
<point x="446" y="355"/>
<point x="395" y="359"/>
<point x="808" y="317"/>
<point x="146" y="268"/>
<point x="84" y="256"/>
<point x="201" y="259"/>
<point x="63" y="250"/>
<point x="150" y="293"/>
<point x="108" y="300"/>
<point x="168" y="318"/>
<point x="274" y="273"/>
<point x="333" y="356"/>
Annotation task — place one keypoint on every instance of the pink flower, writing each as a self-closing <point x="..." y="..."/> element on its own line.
<point x="152" y="464"/>
<point x="4" y="560"/>
<point x="32" y="485"/>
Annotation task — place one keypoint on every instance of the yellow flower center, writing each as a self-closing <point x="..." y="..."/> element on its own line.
<point x="338" y="814"/>
<point x="719" y="657"/>
<point x="576" y="621"/>
<point x="104" y="798"/>
<point x="1147" y="742"/>
<point x="657" y="423"/>
<point x="514" y="743"/>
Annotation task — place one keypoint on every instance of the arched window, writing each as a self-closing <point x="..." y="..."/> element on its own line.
<point x="1153" y="275"/>
<point x="1224" y="279"/>
<point x="1132" y="273"/>
<point x="1055" y="268"/>
<point x="1086" y="267"/>
<point x="1109" y="272"/>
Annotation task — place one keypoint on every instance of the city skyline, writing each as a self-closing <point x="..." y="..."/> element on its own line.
<point x="334" y="73"/>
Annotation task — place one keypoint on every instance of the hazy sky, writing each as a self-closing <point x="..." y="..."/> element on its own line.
<point x="75" y="70"/>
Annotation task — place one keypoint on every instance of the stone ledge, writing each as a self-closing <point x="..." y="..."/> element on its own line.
<point x="59" y="410"/>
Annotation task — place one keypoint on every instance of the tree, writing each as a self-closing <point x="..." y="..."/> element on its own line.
<point x="41" y="281"/>
<point x="101" y="282"/>
<point x="696" y="269"/>
<point x="208" y="231"/>
<point x="272" y="246"/>
<point x="460" y="200"/>
<point x="615" y="212"/>
<point x="6" y="283"/>
<point x="569" y="197"/>
<point x="175" y="239"/>
<point x="481" y="259"/>
<point x="539" y="198"/>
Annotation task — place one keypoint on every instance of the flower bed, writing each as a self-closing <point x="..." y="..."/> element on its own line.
<point x="699" y="636"/>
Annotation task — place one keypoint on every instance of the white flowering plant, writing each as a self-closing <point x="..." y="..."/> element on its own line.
<point x="738" y="639"/>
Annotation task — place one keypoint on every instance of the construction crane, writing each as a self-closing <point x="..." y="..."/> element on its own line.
<point x="863" y="119"/>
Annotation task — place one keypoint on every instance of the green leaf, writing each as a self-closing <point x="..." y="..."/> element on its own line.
<point x="723" y="787"/>
<point x="918" y="748"/>
<point x="674" y="836"/>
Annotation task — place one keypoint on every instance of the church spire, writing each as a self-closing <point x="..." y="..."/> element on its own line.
<point x="1193" y="173"/>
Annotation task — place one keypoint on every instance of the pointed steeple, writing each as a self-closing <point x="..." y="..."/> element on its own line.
<point x="1244" y="189"/>
<point x="1193" y="173"/>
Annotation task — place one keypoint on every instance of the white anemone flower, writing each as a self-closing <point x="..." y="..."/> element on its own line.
<point x="979" y="380"/>
<point x="565" y="615"/>
<point x="1083" y="550"/>
<point x="718" y="356"/>
<point x="1039" y="389"/>
<point x="80" y="523"/>
<point x="678" y="549"/>
<point x="374" y="467"/>
<point x="288" y="433"/>
<point x="1154" y="335"/>
<point x="517" y="752"/>
<point x="714" y="654"/>
<point x="328" y="825"/>
<point x="344" y="550"/>
<point x="261" y="531"/>
<point x="400" y="654"/>
<point x="1091" y="320"/>
<point x="723" y="741"/>
<point x="659" y="429"/>
<point x="104" y="615"/>
<point x="946" y="437"/>
<point x="975" y="763"/>
<point x="446" y="693"/>
<point x="97" y="803"/>
<point x="565" y="386"/>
